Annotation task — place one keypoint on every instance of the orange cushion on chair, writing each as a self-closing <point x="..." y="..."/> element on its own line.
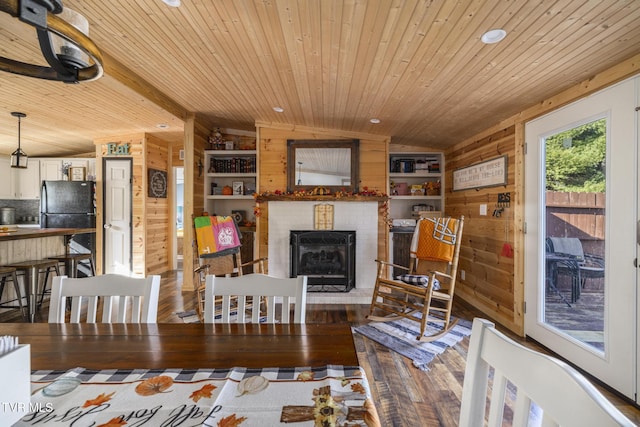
<point x="436" y="239"/>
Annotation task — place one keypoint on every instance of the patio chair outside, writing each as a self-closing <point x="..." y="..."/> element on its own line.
<point x="578" y="266"/>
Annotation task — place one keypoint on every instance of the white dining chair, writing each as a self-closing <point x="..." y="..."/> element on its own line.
<point x="116" y="293"/>
<point x="558" y="394"/>
<point x="234" y="296"/>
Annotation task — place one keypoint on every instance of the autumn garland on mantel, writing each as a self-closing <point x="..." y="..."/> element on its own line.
<point x="324" y="194"/>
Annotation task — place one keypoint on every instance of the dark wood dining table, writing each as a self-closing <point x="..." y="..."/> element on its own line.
<point x="206" y="368"/>
<point x="177" y="345"/>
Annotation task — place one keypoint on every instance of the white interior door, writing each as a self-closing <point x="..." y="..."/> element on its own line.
<point x="606" y="349"/>
<point x="117" y="216"/>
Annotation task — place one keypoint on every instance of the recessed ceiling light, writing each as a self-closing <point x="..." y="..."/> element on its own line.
<point x="374" y="121"/>
<point x="162" y="126"/>
<point x="493" y="36"/>
<point x="278" y="109"/>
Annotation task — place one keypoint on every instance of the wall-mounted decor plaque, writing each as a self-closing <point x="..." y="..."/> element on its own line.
<point x="157" y="183"/>
<point x="490" y="173"/>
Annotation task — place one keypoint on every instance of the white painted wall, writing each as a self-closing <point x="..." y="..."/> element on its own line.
<point x="359" y="216"/>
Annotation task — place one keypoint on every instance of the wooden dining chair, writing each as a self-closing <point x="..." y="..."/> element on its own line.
<point x="231" y="296"/>
<point x="544" y="387"/>
<point x="115" y="292"/>
<point x="425" y="292"/>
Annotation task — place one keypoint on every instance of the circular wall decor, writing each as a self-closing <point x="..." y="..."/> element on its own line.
<point x="157" y="183"/>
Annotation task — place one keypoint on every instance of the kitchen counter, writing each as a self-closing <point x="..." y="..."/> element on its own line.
<point x="22" y="245"/>
<point x="34" y="233"/>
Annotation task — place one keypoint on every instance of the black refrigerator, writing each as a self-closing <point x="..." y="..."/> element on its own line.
<point x="70" y="204"/>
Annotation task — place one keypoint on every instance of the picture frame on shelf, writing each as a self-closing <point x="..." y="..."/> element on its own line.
<point x="77" y="173"/>
<point x="238" y="188"/>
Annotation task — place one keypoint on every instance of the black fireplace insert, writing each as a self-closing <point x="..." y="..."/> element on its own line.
<point x="326" y="257"/>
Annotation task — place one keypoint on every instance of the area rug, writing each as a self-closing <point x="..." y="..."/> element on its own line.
<point x="191" y="316"/>
<point x="400" y="336"/>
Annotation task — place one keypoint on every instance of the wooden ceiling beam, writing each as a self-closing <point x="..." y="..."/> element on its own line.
<point x="133" y="81"/>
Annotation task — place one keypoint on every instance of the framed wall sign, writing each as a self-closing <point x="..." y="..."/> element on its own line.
<point x="157" y="183"/>
<point x="490" y="173"/>
<point x="77" y="173"/>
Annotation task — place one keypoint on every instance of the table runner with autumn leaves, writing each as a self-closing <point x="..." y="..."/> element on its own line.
<point x="321" y="396"/>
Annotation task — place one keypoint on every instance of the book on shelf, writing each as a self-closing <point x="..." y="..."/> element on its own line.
<point x="232" y="165"/>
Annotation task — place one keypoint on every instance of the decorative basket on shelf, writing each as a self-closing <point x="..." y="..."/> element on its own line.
<point x="432" y="188"/>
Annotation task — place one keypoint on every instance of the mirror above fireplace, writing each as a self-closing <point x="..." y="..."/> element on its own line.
<point x="331" y="164"/>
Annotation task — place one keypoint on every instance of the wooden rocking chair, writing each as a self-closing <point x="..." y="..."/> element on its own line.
<point x="226" y="262"/>
<point x="425" y="293"/>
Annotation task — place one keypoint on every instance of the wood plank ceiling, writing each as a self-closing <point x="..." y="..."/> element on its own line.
<point x="416" y="65"/>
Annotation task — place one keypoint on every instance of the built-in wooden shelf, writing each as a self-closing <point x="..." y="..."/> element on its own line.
<point x="328" y="198"/>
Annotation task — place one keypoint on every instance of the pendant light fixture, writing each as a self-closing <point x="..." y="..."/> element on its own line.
<point x="19" y="158"/>
<point x="64" y="42"/>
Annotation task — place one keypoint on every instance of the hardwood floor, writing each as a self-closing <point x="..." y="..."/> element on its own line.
<point x="404" y="395"/>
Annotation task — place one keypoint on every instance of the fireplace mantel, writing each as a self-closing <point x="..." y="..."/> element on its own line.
<point x="318" y="198"/>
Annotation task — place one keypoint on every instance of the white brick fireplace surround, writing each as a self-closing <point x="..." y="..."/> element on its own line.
<point x="298" y="215"/>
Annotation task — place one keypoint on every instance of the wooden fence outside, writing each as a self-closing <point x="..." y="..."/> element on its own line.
<point x="580" y="215"/>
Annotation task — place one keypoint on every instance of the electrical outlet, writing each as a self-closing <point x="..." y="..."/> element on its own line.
<point x="462" y="274"/>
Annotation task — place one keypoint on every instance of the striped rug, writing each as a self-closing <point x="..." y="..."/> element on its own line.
<point x="400" y="336"/>
<point x="191" y="316"/>
<point x="188" y="316"/>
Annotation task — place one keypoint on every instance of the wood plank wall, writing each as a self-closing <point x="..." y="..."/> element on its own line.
<point x="138" y="205"/>
<point x="156" y="220"/>
<point x="195" y="139"/>
<point x="493" y="142"/>
<point x="201" y="137"/>
<point x="136" y="144"/>
<point x="272" y="169"/>
<point x="149" y="215"/>
<point x="489" y="274"/>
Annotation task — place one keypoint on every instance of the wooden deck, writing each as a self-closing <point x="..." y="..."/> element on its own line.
<point x="404" y="395"/>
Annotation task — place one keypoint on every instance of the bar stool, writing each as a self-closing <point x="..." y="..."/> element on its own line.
<point x="73" y="261"/>
<point x="32" y="271"/>
<point x="10" y="273"/>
